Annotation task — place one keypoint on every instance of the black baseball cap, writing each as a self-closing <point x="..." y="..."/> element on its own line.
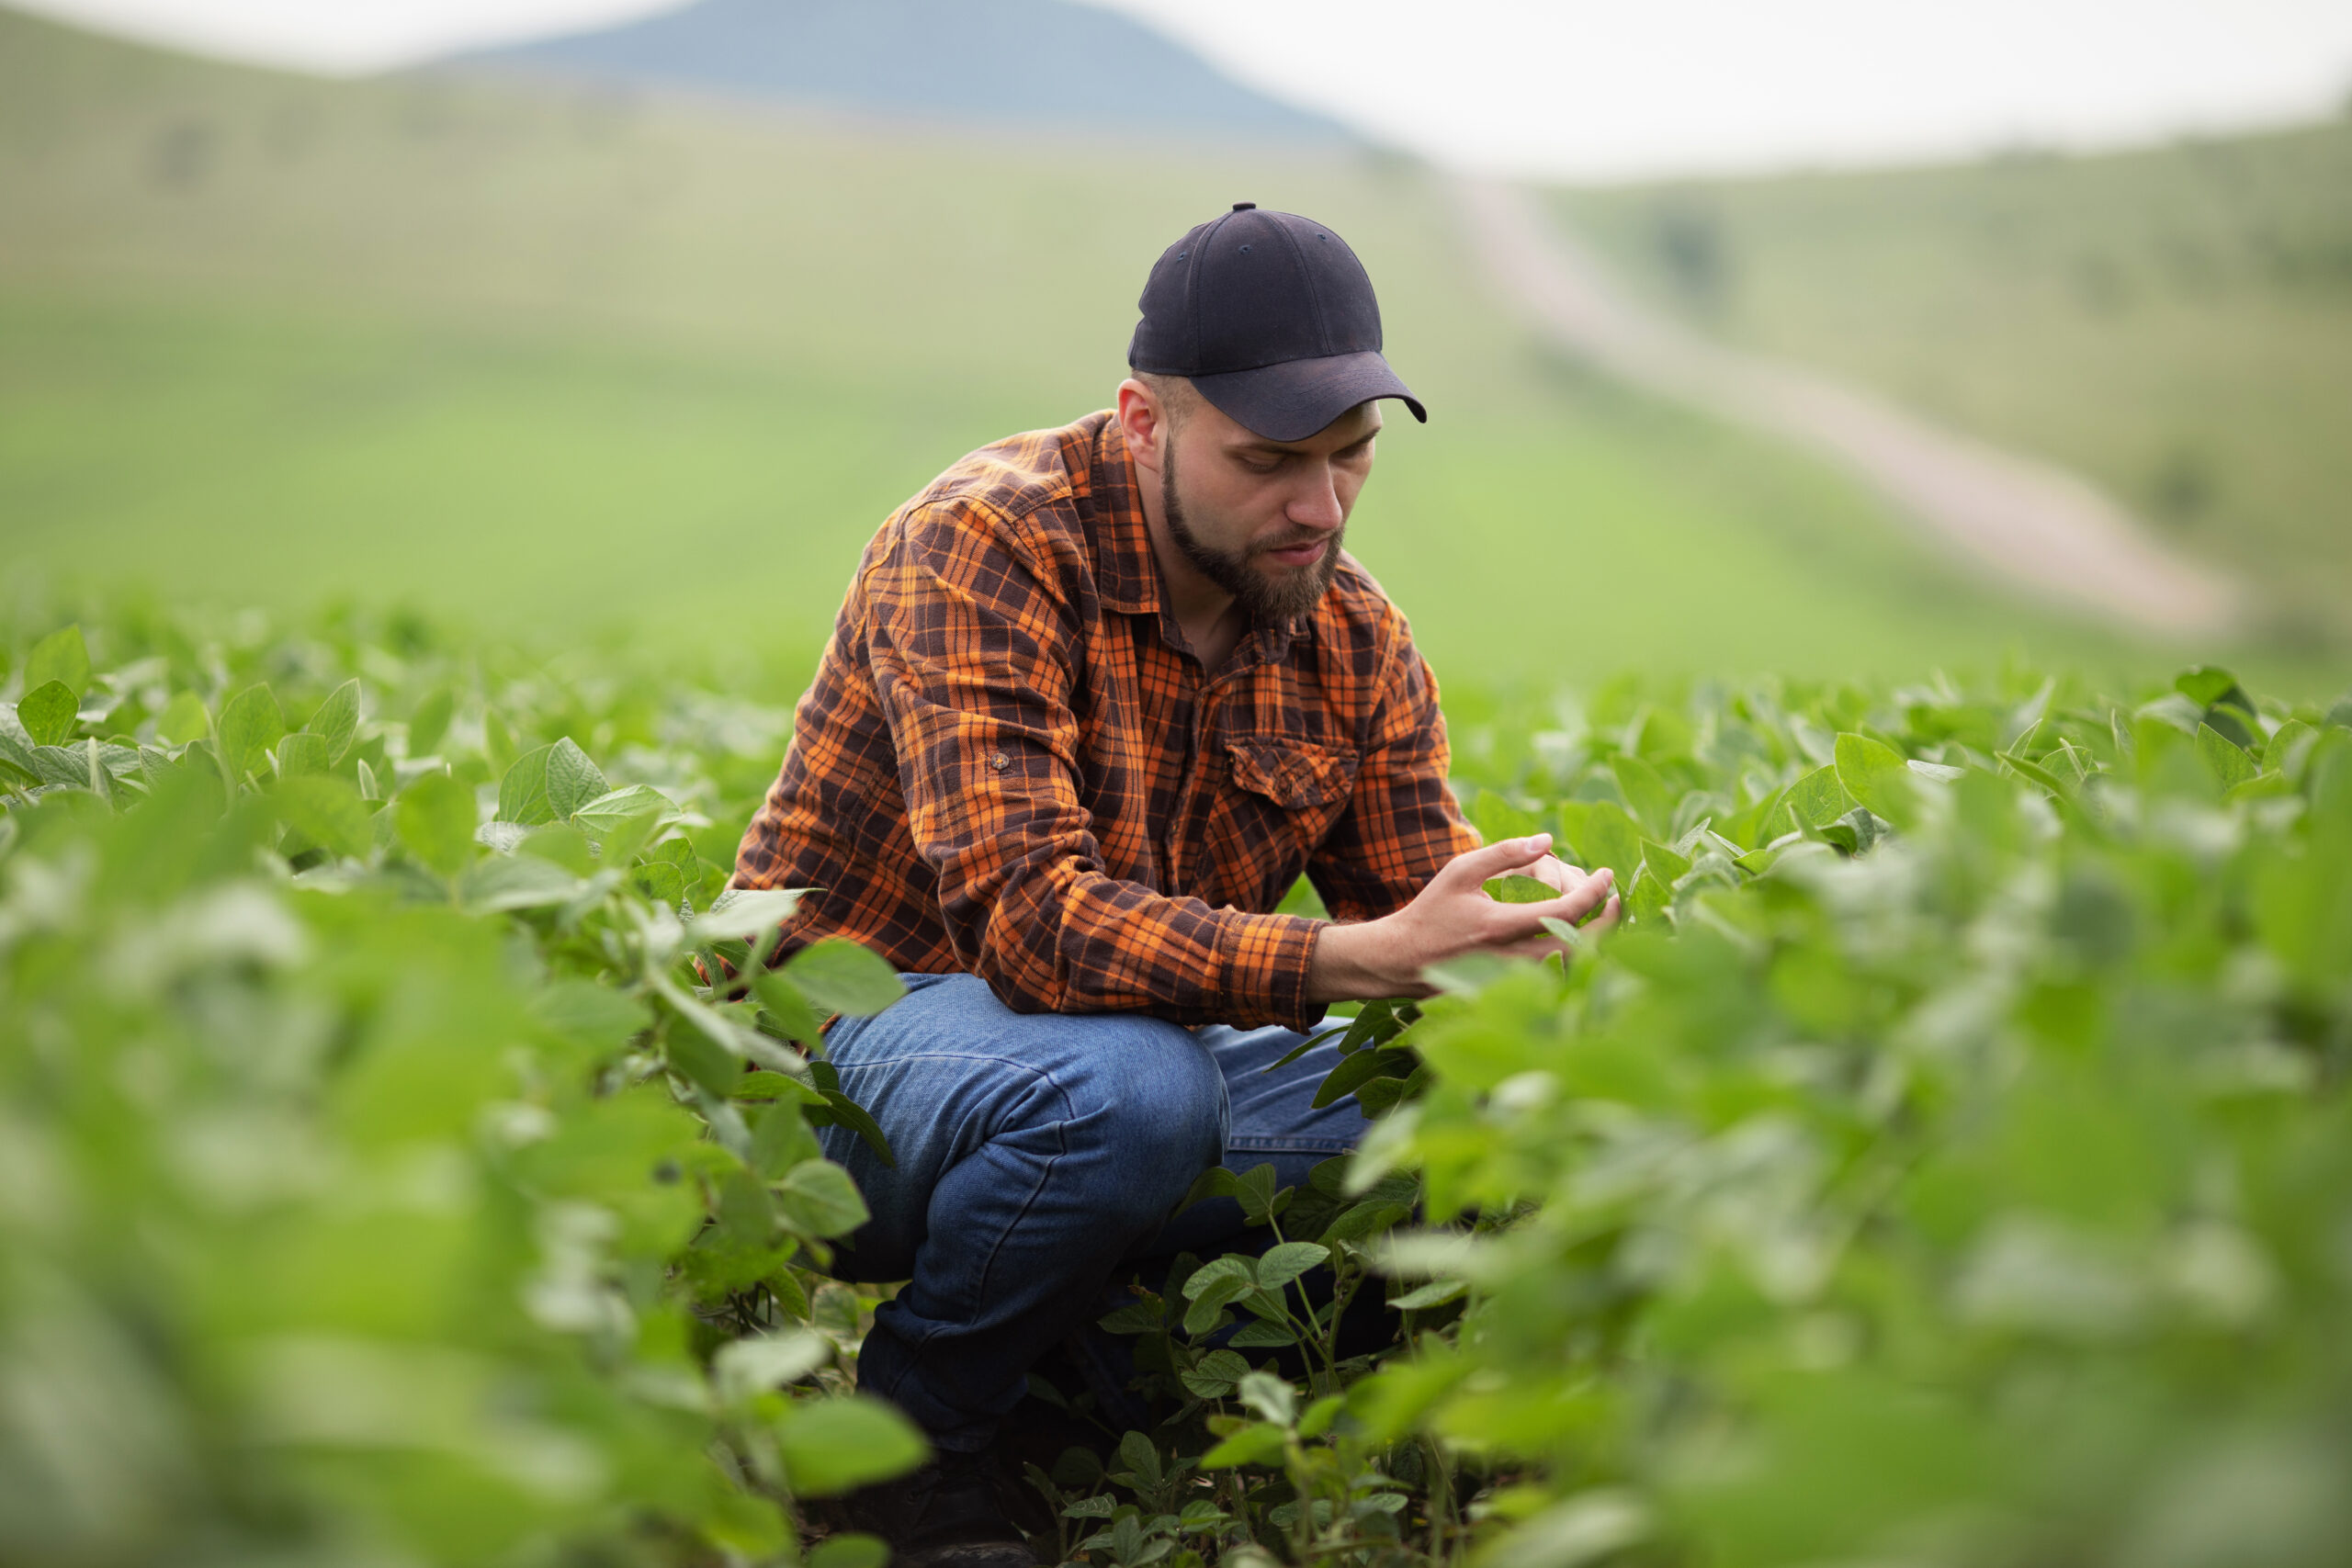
<point x="1273" y="318"/>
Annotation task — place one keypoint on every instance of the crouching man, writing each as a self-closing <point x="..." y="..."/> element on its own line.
<point x="1095" y="700"/>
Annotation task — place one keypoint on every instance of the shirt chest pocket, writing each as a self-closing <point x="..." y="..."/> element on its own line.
<point x="1288" y="793"/>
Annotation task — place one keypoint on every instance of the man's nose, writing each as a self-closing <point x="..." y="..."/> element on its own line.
<point x="1317" y="505"/>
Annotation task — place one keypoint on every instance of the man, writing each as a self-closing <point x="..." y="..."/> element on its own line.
<point x="1096" y="698"/>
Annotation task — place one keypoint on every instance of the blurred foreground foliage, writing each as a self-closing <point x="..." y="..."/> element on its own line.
<point x="1949" y="1163"/>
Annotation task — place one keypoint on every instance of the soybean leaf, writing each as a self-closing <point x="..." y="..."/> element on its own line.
<point x="1281" y="1264"/>
<point x="781" y="1139"/>
<point x="1437" y="1293"/>
<point x="329" y="813"/>
<point x="1874" y="774"/>
<point x="2229" y="764"/>
<point x="818" y="1198"/>
<point x="743" y="913"/>
<point x="516" y="882"/>
<point x="1667" y="866"/>
<point x="572" y="780"/>
<point x="840" y="977"/>
<point x="788" y="1008"/>
<point x="743" y="1367"/>
<point x="855" y="1117"/>
<point x="1518" y="889"/>
<point x="298" y="754"/>
<point x="523" y="789"/>
<point x="1258" y="1443"/>
<point x="836" y="1445"/>
<point x="1599" y="834"/>
<point x="1354" y="1071"/>
<point x="852" y="1551"/>
<point x="434" y="819"/>
<point x="430" y="722"/>
<point x="182" y="719"/>
<point x="1645" y="792"/>
<point x="1215" y="1375"/>
<point x="1818" y="799"/>
<point x="60" y="657"/>
<point x="600" y="816"/>
<point x="337" y="721"/>
<point x="47" y="713"/>
<point x="250" y="725"/>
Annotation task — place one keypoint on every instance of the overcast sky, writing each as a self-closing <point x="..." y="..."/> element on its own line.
<point x="1574" y="88"/>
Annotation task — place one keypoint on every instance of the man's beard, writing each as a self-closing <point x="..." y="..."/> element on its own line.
<point x="1262" y="597"/>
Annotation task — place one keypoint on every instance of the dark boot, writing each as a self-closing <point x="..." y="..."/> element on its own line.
<point x="949" y="1514"/>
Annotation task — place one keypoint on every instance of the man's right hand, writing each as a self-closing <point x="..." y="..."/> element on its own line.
<point x="1453" y="915"/>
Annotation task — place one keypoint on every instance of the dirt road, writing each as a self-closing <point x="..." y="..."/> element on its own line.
<point x="2031" y="524"/>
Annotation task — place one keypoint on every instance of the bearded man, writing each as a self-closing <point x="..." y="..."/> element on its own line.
<point x="1097" y="697"/>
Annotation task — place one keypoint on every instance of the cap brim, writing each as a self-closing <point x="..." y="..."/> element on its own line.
<point x="1291" y="401"/>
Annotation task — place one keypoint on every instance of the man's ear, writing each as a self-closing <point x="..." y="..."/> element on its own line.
<point x="1143" y="418"/>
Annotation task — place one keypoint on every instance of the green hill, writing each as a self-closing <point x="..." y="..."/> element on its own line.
<point x="561" y="359"/>
<point x="2174" y="323"/>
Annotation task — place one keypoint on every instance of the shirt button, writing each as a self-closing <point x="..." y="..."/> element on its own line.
<point x="999" y="761"/>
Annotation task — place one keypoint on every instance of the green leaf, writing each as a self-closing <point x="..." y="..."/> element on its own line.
<point x="789" y="1009"/>
<point x="522" y="791"/>
<point x="1645" y="792"/>
<point x="1517" y="889"/>
<point x="1271" y="1397"/>
<point x="1281" y="1264"/>
<point x="1258" y="1443"/>
<point x="436" y="819"/>
<point x="572" y="780"/>
<point x="337" y="721"/>
<point x="781" y="1139"/>
<point x="1647" y="898"/>
<point x="836" y="1445"/>
<point x="1664" y="863"/>
<point x="1874" y="775"/>
<point x="298" y="754"/>
<point x="840" y="977"/>
<point x="47" y="713"/>
<point x="1599" y="834"/>
<point x="599" y="817"/>
<point x="182" y="719"/>
<point x="1437" y="1293"/>
<point x="855" y="1117"/>
<point x="329" y="813"/>
<point x="2229" y="764"/>
<point x="430" y="721"/>
<point x="60" y="657"/>
<point x="818" y="1198"/>
<point x="852" y="1551"/>
<point x="693" y="1054"/>
<point x="1818" y="799"/>
<point x="250" y="725"/>
<point x="516" y="882"/>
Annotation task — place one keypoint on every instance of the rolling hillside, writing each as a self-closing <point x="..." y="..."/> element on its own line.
<point x="1039" y="64"/>
<point x="555" y="359"/>
<point x="2176" y="323"/>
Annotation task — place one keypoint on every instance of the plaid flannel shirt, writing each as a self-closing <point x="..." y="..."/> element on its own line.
<point x="1010" y="764"/>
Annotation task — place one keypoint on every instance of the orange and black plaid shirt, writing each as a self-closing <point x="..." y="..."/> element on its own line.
<point x="1011" y="764"/>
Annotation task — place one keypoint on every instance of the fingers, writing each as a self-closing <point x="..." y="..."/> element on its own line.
<point x="1501" y="859"/>
<point x="1587" y="895"/>
<point x="1556" y="873"/>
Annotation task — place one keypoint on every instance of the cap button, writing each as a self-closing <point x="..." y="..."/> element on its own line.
<point x="1243" y="206"/>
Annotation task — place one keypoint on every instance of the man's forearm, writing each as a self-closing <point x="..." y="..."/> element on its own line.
<point x="1358" y="962"/>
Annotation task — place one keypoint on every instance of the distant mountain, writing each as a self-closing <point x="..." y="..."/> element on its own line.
<point x="1049" y="65"/>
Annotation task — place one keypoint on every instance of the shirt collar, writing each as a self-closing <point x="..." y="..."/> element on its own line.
<point x="1127" y="575"/>
<point x="1112" y="509"/>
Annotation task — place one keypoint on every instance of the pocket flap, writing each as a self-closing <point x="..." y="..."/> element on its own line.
<point x="1294" y="773"/>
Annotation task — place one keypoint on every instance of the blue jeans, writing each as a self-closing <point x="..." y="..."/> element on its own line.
<point x="1036" y="1152"/>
